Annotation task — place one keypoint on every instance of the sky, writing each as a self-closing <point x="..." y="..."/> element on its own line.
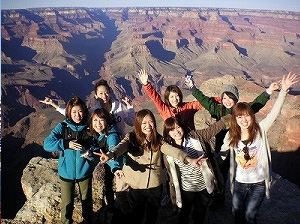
<point x="286" y="5"/>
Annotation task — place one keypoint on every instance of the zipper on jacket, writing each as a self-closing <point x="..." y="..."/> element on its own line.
<point x="75" y="153"/>
<point x="151" y="153"/>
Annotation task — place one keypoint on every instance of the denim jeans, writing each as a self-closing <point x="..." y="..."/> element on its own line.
<point x="246" y="201"/>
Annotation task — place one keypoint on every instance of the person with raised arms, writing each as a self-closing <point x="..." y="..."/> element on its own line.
<point x="229" y="97"/>
<point x="250" y="155"/>
<point x="122" y="113"/>
<point x="173" y="105"/>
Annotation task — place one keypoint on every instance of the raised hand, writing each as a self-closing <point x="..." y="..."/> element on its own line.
<point x="127" y="101"/>
<point x="143" y="75"/>
<point x="288" y="81"/>
<point x="273" y="86"/>
<point x="49" y="101"/>
<point x="189" y="82"/>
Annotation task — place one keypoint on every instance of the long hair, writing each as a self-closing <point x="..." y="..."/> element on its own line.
<point x="101" y="113"/>
<point x="137" y="137"/>
<point x="175" y="89"/>
<point x="231" y="96"/>
<point x="169" y="125"/>
<point x="240" y="109"/>
<point x="76" y="101"/>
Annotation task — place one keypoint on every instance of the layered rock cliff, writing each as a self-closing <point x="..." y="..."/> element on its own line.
<point x="40" y="183"/>
<point x="62" y="52"/>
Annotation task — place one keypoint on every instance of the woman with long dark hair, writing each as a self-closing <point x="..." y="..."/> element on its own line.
<point x="229" y="97"/>
<point x="192" y="187"/>
<point x="143" y="168"/>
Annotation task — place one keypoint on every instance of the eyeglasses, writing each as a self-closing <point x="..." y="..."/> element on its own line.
<point x="246" y="153"/>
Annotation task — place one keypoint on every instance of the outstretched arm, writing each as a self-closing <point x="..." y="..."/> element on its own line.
<point x="207" y="133"/>
<point x="162" y="108"/>
<point x="286" y="83"/>
<point x="208" y="103"/>
<point x="49" y="101"/>
<point x="260" y="101"/>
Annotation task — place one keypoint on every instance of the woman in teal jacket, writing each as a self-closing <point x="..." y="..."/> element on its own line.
<point x="229" y="97"/>
<point x="71" y="139"/>
<point x="107" y="135"/>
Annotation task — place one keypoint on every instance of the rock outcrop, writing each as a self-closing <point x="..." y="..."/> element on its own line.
<point x="41" y="186"/>
<point x="61" y="52"/>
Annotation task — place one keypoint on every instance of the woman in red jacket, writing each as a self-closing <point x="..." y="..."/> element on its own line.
<point x="173" y="106"/>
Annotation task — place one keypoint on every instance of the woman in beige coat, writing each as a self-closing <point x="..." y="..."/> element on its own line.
<point x="144" y="173"/>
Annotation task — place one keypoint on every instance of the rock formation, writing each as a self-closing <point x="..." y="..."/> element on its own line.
<point x="62" y="52"/>
<point x="41" y="186"/>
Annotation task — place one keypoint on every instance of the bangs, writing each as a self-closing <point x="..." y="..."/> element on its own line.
<point x="102" y="113"/>
<point x="99" y="113"/>
<point x="230" y="95"/>
<point x="241" y="109"/>
<point x="170" y="124"/>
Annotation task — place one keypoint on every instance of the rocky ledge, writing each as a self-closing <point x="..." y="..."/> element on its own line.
<point x="41" y="186"/>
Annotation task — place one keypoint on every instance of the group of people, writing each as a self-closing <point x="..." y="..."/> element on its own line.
<point x="197" y="170"/>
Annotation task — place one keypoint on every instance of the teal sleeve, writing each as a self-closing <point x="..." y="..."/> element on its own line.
<point x="54" y="141"/>
<point x="117" y="164"/>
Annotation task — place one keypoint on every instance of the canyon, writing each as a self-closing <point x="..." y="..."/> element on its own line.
<point x="62" y="52"/>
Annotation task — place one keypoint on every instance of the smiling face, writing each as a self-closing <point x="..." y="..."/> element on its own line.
<point x="227" y="101"/>
<point x="147" y="125"/>
<point x="99" y="124"/>
<point x="244" y="121"/>
<point x="77" y="114"/>
<point x="177" y="134"/>
<point x="174" y="99"/>
<point x="102" y="94"/>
